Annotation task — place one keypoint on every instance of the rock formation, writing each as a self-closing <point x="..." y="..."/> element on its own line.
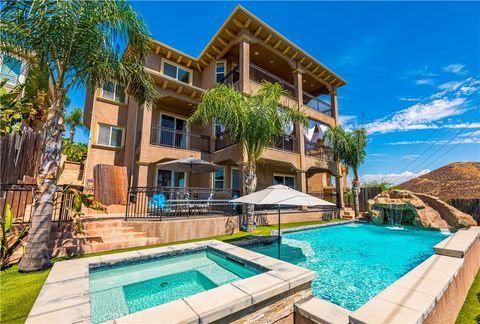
<point x="419" y="210"/>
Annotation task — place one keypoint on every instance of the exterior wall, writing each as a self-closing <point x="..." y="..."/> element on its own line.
<point x="270" y="218"/>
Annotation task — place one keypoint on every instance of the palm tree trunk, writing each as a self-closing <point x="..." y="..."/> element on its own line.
<point x="356" y="192"/>
<point x="37" y="254"/>
<point x="72" y="133"/>
<point x="249" y="186"/>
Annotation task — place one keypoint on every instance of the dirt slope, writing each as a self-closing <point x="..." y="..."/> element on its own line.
<point x="454" y="180"/>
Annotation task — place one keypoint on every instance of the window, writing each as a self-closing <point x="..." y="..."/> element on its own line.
<point x="220" y="68"/>
<point x="170" y="179"/>
<point x="113" y="91"/>
<point x="219" y="179"/>
<point x="219" y="129"/>
<point x="285" y="180"/>
<point x="110" y="135"/>
<point x="11" y="69"/>
<point x="235" y="180"/>
<point x="176" y="72"/>
<point x="173" y="131"/>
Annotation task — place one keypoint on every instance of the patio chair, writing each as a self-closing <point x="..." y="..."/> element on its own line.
<point x="156" y="203"/>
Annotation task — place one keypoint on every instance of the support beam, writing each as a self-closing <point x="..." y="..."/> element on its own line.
<point x="179" y="90"/>
<point x="294" y="55"/>
<point x="244" y="65"/>
<point x="257" y="32"/>
<point x="247" y="23"/>
<point x="268" y="38"/>
<point x="189" y="63"/>
<point x="224" y="43"/>
<point x="169" y="53"/>
<point x="157" y="50"/>
<point x="229" y="33"/>
<point x="277" y="44"/>
<point x="179" y="59"/>
<point x="285" y="51"/>
<point x="237" y="23"/>
<point x="215" y="49"/>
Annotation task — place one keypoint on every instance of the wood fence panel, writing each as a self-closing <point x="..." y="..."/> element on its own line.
<point x="469" y="206"/>
<point x="20" y="156"/>
<point x="110" y="184"/>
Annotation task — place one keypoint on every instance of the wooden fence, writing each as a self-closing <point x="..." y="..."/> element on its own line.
<point x="20" y="156"/>
<point x="469" y="206"/>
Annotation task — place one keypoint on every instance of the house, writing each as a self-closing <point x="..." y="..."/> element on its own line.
<point x="243" y="52"/>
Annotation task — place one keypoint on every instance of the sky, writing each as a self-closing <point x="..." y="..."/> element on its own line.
<point x="412" y="70"/>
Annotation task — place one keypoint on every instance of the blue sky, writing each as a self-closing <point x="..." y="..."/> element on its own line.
<point x="413" y="69"/>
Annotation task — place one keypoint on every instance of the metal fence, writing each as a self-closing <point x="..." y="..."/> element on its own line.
<point x="318" y="151"/>
<point x="20" y="198"/>
<point x="159" y="203"/>
<point x="286" y="143"/>
<point x="258" y="74"/>
<point x="317" y="104"/>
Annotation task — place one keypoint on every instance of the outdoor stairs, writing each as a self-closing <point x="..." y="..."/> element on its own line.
<point x="99" y="236"/>
<point x="348" y="213"/>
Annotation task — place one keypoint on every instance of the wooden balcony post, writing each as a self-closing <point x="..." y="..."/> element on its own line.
<point x="334" y="104"/>
<point x="244" y="63"/>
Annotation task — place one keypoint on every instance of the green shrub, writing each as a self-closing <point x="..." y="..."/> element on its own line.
<point x="76" y="152"/>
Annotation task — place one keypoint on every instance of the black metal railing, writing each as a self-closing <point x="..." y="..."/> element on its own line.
<point x="160" y="203"/>
<point x="222" y="141"/>
<point x="20" y="200"/>
<point x="232" y="77"/>
<point x="317" y="104"/>
<point x="258" y="74"/>
<point x="179" y="139"/>
<point x="318" y="151"/>
<point x="286" y="143"/>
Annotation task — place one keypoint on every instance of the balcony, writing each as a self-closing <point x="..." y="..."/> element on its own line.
<point x="257" y="75"/>
<point x="179" y="139"/>
<point x="318" y="151"/>
<point x="222" y="141"/>
<point x="286" y="143"/>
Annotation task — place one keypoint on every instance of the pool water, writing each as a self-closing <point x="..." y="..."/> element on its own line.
<point x="124" y="289"/>
<point x="354" y="262"/>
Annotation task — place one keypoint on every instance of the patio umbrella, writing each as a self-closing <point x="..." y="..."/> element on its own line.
<point x="281" y="195"/>
<point x="189" y="165"/>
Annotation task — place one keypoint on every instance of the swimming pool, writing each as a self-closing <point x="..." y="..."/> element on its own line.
<point x="127" y="288"/>
<point x="354" y="262"/>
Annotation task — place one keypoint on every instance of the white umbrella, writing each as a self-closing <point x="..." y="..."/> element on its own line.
<point x="281" y="195"/>
<point x="189" y="165"/>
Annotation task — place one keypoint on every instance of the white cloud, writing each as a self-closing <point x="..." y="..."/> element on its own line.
<point x="409" y="99"/>
<point x="424" y="82"/>
<point x="418" y="116"/>
<point x="454" y="68"/>
<point x="463" y="125"/>
<point x="410" y="156"/>
<point x="343" y="119"/>
<point x="452" y="85"/>
<point x="393" y="178"/>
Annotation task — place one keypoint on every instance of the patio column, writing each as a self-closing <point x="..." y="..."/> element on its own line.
<point x="334" y="104"/>
<point x="298" y="82"/>
<point x="339" y="186"/>
<point x="147" y="112"/>
<point x="142" y="176"/>
<point x="244" y="63"/>
<point x="301" y="181"/>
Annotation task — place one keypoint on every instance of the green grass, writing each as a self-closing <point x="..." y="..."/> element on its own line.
<point x="470" y="312"/>
<point x="18" y="291"/>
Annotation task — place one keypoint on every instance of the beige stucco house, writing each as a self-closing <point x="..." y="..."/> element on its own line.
<point x="243" y="52"/>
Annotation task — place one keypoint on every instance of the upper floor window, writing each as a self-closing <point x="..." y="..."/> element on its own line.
<point x="113" y="91"/>
<point x="176" y="72"/>
<point x="110" y="135"/>
<point x="220" y="68"/>
<point x="11" y="69"/>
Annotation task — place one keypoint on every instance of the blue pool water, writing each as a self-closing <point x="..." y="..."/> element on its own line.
<point x="124" y="289"/>
<point x="354" y="262"/>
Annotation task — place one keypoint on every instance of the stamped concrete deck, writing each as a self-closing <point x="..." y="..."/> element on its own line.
<point x="65" y="297"/>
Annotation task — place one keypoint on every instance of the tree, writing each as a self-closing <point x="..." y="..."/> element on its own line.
<point x="349" y="148"/>
<point x="254" y="122"/>
<point x="79" y="42"/>
<point x="24" y="105"/>
<point x="74" y="120"/>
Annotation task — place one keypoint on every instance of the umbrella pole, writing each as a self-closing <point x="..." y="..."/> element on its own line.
<point x="278" y="232"/>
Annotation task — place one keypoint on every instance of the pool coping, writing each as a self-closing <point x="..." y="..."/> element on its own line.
<point x="65" y="296"/>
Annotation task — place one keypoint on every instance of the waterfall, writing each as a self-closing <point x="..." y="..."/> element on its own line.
<point x="394" y="215"/>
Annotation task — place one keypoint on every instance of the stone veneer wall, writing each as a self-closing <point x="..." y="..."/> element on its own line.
<point x="279" y="309"/>
<point x="448" y="306"/>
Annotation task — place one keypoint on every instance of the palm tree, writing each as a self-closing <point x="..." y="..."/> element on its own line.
<point x="79" y="43"/>
<point x="254" y="122"/>
<point x="349" y="148"/>
<point x="74" y="121"/>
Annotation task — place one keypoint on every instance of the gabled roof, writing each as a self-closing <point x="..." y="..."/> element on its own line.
<point x="242" y="21"/>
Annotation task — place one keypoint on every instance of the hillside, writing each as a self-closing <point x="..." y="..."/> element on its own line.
<point x="454" y="180"/>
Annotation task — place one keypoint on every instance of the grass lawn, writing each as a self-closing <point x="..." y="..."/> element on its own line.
<point x="470" y="312"/>
<point x="18" y="291"/>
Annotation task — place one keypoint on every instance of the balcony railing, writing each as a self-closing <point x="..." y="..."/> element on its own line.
<point x="258" y="74"/>
<point x="317" y="104"/>
<point x="318" y="151"/>
<point x="222" y="141"/>
<point x="231" y="77"/>
<point x="179" y="139"/>
<point x="286" y="143"/>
